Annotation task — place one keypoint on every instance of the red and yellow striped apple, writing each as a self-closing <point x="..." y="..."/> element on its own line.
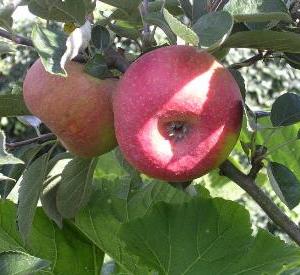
<point x="178" y="113"/>
<point x="78" y="108"/>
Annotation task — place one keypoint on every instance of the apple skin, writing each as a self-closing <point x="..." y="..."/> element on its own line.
<point x="164" y="90"/>
<point x="78" y="108"/>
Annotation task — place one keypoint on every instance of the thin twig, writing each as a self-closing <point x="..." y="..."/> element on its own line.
<point x="250" y="61"/>
<point x="144" y="10"/>
<point x="18" y="39"/>
<point x="270" y="208"/>
<point x="261" y="114"/>
<point x="42" y="138"/>
<point x="112" y="57"/>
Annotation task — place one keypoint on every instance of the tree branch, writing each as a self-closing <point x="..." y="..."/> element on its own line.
<point x="18" y="39"/>
<point x="260" y="114"/>
<point x="42" y="138"/>
<point x="113" y="58"/>
<point x="250" y="61"/>
<point x="270" y="208"/>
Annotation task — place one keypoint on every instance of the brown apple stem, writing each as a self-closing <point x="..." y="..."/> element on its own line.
<point x="41" y="138"/>
<point x="269" y="207"/>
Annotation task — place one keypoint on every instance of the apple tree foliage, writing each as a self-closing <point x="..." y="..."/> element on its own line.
<point x="60" y="214"/>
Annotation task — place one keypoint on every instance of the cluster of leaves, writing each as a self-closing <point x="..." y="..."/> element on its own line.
<point x="102" y="205"/>
<point x="121" y="218"/>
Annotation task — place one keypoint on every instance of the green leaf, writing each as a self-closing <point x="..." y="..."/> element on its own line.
<point x="187" y="8"/>
<point x="181" y="30"/>
<point x="96" y="66"/>
<point x="294" y="271"/>
<point x="12" y="105"/>
<point x="251" y="119"/>
<point x="265" y="40"/>
<point x="47" y="241"/>
<point x="220" y="53"/>
<point x="246" y="148"/>
<point x="286" y="110"/>
<point x="114" y="203"/>
<point x="158" y="19"/>
<point x="62" y="11"/>
<point x="132" y="172"/>
<point x="75" y="188"/>
<point x="48" y="200"/>
<point x="6" y="47"/>
<point x="129" y="18"/>
<point x="6" y="20"/>
<point x="50" y="46"/>
<point x="292" y="57"/>
<point x="254" y="7"/>
<point x="26" y="154"/>
<point x="212" y="180"/>
<point x="173" y="6"/>
<point x="209" y="236"/>
<point x="100" y="37"/>
<point x="273" y="17"/>
<point x="258" y="11"/>
<point x="109" y="166"/>
<point x="49" y="194"/>
<point x="30" y="189"/>
<point x="266" y="254"/>
<point x="6" y="158"/>
<point x="213" y="29"/>
<point x="127" y="5"/>
<point x="200" y="8"/>
<point x="284" y="183"/>
<point x="90" y="6"/>
<point x="125" y="29"/>
<point x="23" y="2"/>
<point x="3" y="177"/>
<point x="289" y="155"/>
<point x="16" y="262"/>
<point x="240" y="81"/>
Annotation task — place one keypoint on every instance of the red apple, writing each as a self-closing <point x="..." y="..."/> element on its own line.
<point x="178" y="113"/>
<point x="78" y="108"/>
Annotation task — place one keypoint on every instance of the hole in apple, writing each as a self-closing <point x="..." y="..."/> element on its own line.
<point x="177" y="129"/>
